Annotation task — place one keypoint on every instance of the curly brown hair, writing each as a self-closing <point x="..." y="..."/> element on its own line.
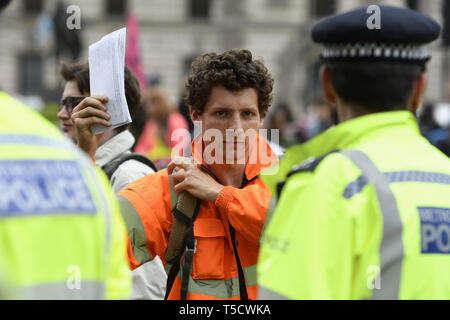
<point x="235" y="70"/>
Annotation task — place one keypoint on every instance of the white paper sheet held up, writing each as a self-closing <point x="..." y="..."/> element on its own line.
<point x="106" y="73"/>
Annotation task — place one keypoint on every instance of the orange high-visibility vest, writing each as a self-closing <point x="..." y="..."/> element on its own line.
<point x="147" y="211"/>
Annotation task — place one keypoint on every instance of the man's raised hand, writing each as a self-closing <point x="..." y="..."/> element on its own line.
<point x="91" y="110"/>
<point x="191" y="178"/>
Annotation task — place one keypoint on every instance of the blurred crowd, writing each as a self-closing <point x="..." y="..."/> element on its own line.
<point x="297" y="126"/>
<point x="434" y="123"/>
<point x="156" y="120"/>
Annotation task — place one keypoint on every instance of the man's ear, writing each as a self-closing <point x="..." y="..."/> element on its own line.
<point x="193" y="113"/>
<point x="329" y="92"/>
<point x="417" y="92"/>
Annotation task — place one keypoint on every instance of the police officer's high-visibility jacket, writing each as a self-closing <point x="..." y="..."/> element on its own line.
<point x="370" y="220"/>
<point x="214" y="274"/>
<point x="61" y="233"/>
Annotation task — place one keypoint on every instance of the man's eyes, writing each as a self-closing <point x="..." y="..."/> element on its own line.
<point x="223" y="113"/>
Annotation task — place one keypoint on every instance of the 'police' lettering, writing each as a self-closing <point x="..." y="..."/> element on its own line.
<point x="33" y="187"/>
<point x="435" y="229"/>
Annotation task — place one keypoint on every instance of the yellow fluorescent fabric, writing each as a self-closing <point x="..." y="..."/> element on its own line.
<point x="61" y="233"/>
<point x="324" y="240"/>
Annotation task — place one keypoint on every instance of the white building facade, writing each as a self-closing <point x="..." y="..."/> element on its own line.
<point x="172" y="32"/>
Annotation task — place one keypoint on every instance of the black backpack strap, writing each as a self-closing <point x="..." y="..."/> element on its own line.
<point x="174" y="269"/>
<point x="242" y="284"/>
<point x="112" y="166"/>
<point x="308" y="165"/>
<point x="190" y="245"/>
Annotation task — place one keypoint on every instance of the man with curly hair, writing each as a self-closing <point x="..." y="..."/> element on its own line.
<point x="228" y="96"/>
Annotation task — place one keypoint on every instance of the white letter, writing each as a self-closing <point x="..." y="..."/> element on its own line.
<point x="23" y="195"/>
<point x="182" y="311"/>
<point x="235" y="135"/>
<point x="181" y="136"/>
<point x="239" y="309"/>
<point x="215" y="147"/>
<point x="441" y="230"/>
<point x="374" y="280"/>
<point x="428" y="235"/>
<point x="74" y="21"/>
<point x="73" y="282"/>
<point x="374" y="21"/>
<point x="267" y="309"/>
<point x="263" y="148"/>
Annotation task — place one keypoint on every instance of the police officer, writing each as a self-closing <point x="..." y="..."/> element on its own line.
<point x="367" y="215"/>
<point x="61" y="232"/>
<point x="62" y="235"/>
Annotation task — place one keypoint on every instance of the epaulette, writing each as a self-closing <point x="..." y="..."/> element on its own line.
<point x="309" y="164"/>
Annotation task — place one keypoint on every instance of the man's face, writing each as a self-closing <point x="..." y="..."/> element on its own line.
<point x="229" y="123"/>
<point x="72" y="96"/>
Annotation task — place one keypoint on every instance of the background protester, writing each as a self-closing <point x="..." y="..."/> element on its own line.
<point x="164" y="130"/>
<point x="78" y="113"/>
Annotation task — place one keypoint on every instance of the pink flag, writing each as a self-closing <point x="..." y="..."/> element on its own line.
<point x="132" y="56"/>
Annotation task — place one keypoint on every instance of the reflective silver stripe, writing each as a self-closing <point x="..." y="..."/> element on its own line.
<point x="35" y="140"/>
<point x="135" y="230"/>
<point x="173" y="203"/>
<point x="250" y="275"/>
<point x="108" y="214"/>
<point x="173" y="194"/>
<point x="221" y="289"/>
<point x="267" y="294"/>
<point x="270" y="211"/>
<point x="87" y="290"/>
<point x="418" y="176"/>
<point x="167" y="268"/>
<point x="356" y="186"/>
<point x="391" y="249"/>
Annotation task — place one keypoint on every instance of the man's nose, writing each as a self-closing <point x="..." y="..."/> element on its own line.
<point x="235" y="122"/>
<point x="63" y="114"/>
<point x="235" y="129"/>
